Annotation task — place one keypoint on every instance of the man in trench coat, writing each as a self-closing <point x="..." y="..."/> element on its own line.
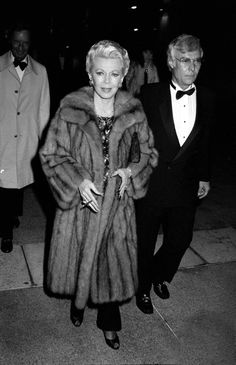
<point x="24" y="113"/>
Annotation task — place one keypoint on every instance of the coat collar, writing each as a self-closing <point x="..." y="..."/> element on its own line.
<point x="78" y="107"/>
<point x="6" y="62"/>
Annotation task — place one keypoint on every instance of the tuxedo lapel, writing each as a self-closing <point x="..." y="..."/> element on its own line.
<point x="194" y="132"/>
<point x="167" y="116"/>
<point x="191" y="137"/>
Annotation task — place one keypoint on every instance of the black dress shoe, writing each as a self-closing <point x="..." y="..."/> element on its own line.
<point x="144" y="303"/>
<point x="114" y="343"/>
<point x="76" y="315"/>
<point x="6" y="245"/>
<point x="161" y="290"/>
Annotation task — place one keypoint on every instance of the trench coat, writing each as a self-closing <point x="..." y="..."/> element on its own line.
<point x="24" y="113"/>
<point x="93" y="256"/>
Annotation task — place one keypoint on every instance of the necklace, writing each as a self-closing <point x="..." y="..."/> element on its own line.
<point x="105" y="125"/>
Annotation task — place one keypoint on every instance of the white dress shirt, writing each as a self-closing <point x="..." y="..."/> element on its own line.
<point x="19" y="71"/>
<point x="184" y="112"/>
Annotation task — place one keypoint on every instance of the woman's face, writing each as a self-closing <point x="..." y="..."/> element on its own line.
<point x="106" y="76"/>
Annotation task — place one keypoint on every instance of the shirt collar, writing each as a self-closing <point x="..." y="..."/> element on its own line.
<point x="177" y="87"/>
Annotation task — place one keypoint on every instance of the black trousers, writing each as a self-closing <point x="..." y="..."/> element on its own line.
<point x="108" y="317"/>
<point x="11" y="206"/>
<point x="177" y="225"/>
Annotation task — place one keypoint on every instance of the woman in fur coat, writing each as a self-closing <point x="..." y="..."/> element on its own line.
<point x="98" y="157"/>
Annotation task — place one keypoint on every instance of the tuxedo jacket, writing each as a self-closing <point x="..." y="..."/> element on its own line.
<point x="175" y="181"/>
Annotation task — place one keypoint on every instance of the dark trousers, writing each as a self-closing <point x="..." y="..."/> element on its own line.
<point x="11" y="206"/>
<point x="108" y="317"/>
<point x="177" y="225"/>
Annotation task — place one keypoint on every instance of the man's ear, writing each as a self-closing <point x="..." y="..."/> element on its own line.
<point x="171" y="63"/>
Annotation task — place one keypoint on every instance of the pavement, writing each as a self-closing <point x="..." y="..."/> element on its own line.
<point x="195" y="326"/>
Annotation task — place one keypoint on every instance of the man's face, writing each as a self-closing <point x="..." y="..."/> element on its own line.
<point x="20" y="43"/>
<point x="147" y="55"/>
<point x="185" y="67"/>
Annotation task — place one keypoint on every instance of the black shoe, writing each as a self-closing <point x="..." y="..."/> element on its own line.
<point x="161" y="290"/>
<point x="144" y="303"/>
<point x="6" y="245"/>
<point x="114" y="343"/>
<point x="76" y="315"/>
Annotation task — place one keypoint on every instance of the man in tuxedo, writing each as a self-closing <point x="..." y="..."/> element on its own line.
<point x="24" y="113"/>
<point x="180" y="115"/>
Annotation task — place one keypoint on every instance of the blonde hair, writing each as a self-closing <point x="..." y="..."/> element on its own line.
<point x="107" y="49"/>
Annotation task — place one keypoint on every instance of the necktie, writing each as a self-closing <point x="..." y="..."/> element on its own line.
<point x="180" y="93"/>
<point x="21" y="64"/>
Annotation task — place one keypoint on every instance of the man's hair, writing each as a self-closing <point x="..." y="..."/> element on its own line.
<point x="18" y="27"/>
<point x="107" y="49"/>
<point x="183" y="43"/>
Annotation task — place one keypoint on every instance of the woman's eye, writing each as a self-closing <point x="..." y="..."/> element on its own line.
<point x="99" y="73"/>
<point x="115" y="75"/>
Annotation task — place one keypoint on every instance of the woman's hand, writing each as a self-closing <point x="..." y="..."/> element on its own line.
<point x="125" y="175"/>
<point x="87" y="188"/>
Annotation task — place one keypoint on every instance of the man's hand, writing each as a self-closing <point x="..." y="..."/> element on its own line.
<point x="203" y="190"/>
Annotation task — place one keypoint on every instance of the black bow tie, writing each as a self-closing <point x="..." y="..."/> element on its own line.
<point x="21" y="64"/>
<point x="180" y="93"/>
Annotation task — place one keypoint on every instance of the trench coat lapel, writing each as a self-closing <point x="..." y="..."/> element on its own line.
<point x="13" y="72"/>
<point x="7" y="63"/>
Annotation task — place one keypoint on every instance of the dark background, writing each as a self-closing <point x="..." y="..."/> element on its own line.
<point x="69" y="29"/>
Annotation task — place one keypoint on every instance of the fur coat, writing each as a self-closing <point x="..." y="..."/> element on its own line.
<point x="93" y="256"/>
